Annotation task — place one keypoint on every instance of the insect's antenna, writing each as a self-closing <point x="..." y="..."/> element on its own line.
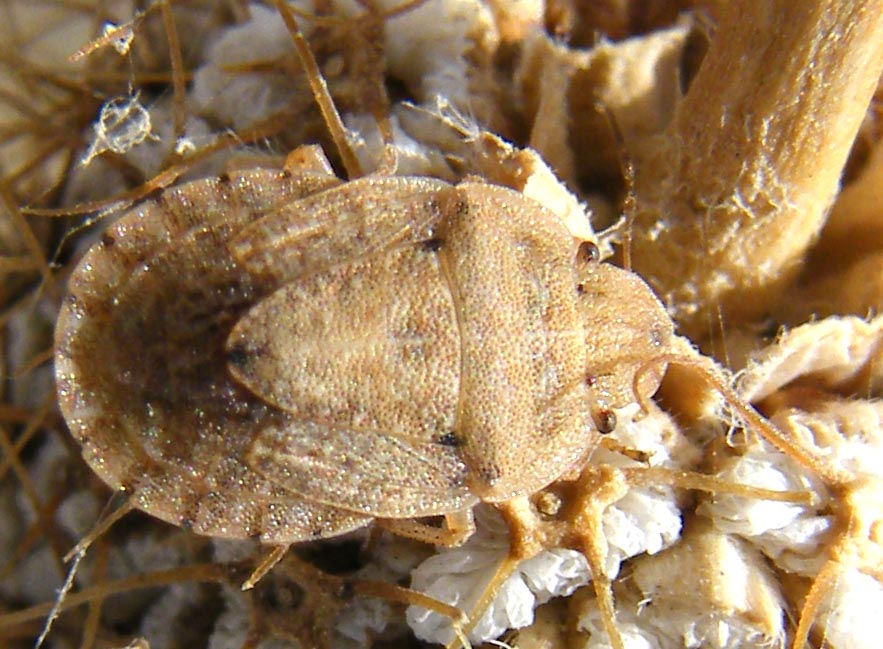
<point x="320" y="91"/>
<point x="654" y="475"/>
<point x="749" y="415"/>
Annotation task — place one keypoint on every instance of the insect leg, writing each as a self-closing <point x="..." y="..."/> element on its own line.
<point x="330" y="592"/>
<point x="100" y="528"/>
<point x="415" y="598"/>
<point x="266" y="565"/>
<point x="755" y="421"/>
<point x="504" y="570"/>
<point x="835" y="478"/>
<point x="598" y="487"/>
<point x="524" y="543"/>
<point x="459" y="526"/>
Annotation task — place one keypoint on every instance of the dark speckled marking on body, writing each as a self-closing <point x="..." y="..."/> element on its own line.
<point x="433" y="245"/>
<point x="449" y="439"/>
<point x="239" y="354"/>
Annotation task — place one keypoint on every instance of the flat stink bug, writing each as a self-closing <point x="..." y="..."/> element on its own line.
<point x="382" y="348"/>
<point x="288" y="356"/>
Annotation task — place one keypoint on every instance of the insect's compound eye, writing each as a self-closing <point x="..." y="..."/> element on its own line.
<point x="588" y="253"/>
<point x="605" y="420"/>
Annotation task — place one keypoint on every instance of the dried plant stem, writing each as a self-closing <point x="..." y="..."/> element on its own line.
<point x="320" y="91"/>
<point x="198" y="573"/>
<point x="93" y="618"/>
<point x="742" y="180"/>
<point x="178" y="73"/>
<point x="261" y="129"/>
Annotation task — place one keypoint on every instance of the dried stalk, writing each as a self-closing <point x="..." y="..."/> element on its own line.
<point x="740" y="183"/>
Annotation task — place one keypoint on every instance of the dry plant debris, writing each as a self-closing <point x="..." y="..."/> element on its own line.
<point x="686" y="526"/>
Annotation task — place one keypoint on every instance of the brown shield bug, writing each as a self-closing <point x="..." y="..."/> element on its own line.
<point x="288" y="356"/>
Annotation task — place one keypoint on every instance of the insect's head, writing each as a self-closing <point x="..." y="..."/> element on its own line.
<point x="625" y="325"/>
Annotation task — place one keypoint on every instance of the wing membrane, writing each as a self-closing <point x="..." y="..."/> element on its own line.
<point x="365" y="471"/>
<point x="370" y="345"/>
<point x="340" y="224"/>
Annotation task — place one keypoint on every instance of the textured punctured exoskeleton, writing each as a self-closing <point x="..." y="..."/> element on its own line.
<point x="288" y="356"/>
